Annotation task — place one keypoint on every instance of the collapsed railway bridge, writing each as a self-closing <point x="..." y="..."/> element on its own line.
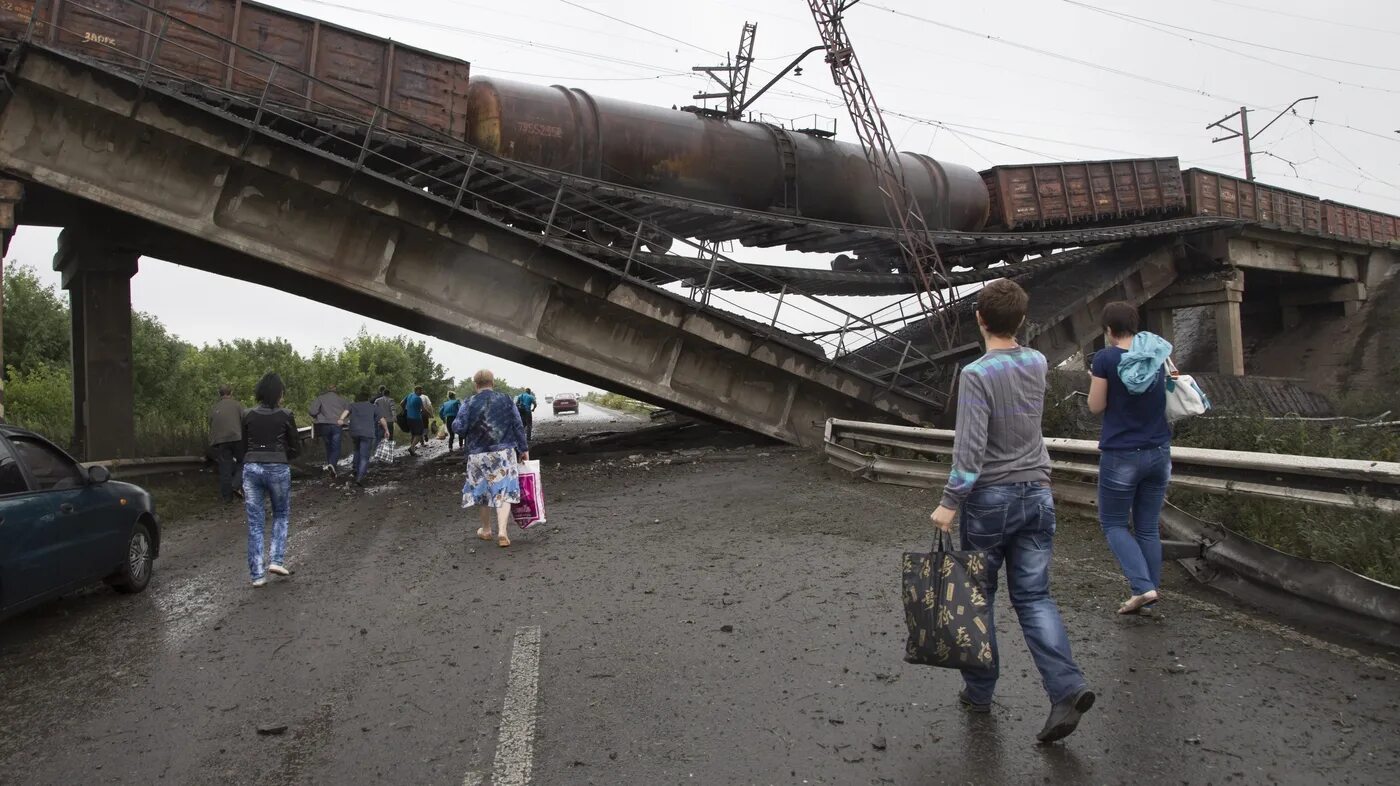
<point x="258" y="144"/>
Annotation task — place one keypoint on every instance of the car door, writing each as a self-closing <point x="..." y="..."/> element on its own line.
<point x="21" y="514"/>
<point x="79" y="541"/>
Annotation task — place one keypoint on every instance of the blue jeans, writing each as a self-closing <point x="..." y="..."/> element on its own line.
<point x="273" y="481"/>
<point x="1134" y="482"/>
<point x="330" y="434"/>
<point x="364" y="449"/>
<point x="1015" y="525"/>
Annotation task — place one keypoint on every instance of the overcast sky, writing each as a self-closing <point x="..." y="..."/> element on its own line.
<point x="980" y="84"/>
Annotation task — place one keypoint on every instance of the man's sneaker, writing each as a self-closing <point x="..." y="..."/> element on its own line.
<point x="971" y="705"/>
<point x="278" y="569"/>
<point x="1065" y="715"/>
<point x="260" y="582"/>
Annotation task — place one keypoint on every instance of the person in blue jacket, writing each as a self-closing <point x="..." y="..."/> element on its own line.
<point x="448" y="413"/>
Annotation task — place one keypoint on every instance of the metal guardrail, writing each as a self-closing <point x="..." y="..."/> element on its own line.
<point x="160" y="465"/>
<point x="1343" y="483"/>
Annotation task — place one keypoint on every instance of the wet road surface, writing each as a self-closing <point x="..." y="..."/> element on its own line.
<point x="715" y="617"/>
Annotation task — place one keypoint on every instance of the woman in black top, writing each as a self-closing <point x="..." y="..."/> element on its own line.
<point x="271" y="442"/>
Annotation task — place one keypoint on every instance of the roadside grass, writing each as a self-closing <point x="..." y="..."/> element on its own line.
<point x="1363" y="540"/>
<point x="619" y="402"/>
<point x="182" y="495"/>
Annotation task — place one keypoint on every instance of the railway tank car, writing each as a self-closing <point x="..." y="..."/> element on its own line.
<point x="750" y="165"/>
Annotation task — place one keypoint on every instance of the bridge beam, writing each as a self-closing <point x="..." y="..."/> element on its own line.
<point x="97" y="275"/>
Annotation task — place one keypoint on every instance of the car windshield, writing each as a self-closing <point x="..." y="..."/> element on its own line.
<point x="11" y="477"/>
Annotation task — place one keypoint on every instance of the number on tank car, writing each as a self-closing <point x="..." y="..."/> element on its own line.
<point x="90" y="37"/>
<point x="540" y="129"/>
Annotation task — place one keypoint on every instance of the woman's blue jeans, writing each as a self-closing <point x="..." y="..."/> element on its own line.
<point x="273" y="481"/>
<point x="1133" y="484"/>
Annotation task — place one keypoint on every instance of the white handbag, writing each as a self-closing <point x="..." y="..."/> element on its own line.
<point x="1184" y="397"/>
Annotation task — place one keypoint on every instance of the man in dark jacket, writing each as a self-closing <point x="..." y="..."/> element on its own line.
<point x="226" y="442"/>
<point x="325" y="421"/>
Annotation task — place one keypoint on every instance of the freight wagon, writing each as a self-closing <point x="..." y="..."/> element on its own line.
<point x="329" y="70"/>
<point x="351" y="71"/>
<point x="1214" y="194"/>
<point x="1083" y="192"/>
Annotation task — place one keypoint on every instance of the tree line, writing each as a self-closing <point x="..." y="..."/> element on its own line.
<point x="175" y="381"/>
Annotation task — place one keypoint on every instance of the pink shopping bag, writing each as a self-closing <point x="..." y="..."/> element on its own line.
<point x="530" y="510"/>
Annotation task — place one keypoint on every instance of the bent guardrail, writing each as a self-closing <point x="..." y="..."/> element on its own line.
<point x="1346" y="483"/>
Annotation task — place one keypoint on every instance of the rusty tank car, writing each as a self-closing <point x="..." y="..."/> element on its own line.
<point x="750" y="165"/>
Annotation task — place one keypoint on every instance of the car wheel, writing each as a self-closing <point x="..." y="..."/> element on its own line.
<point x="135" y="573"/>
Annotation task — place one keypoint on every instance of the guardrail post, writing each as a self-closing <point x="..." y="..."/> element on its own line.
<point x="636" y="241"/>
<point x="899" y="369"/>
<point x="466" y="179"/>
<point x="262" y="102"/>
<point x="554" y="210"/>
<point x="150" y="65"/>
<point x="781" y="294"/>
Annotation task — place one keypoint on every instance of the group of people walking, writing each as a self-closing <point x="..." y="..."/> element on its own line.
<point x="254" y="449"/>
<point x="998" y="490"/>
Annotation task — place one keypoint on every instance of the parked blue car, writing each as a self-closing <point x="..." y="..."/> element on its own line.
<point x="64" y="526"/>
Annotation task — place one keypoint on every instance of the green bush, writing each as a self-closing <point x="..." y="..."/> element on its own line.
<point x="41" y="399"/>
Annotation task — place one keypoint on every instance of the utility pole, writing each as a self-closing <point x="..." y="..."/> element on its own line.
<point x="1244" y="134"/>
<point x="736" y="75"/>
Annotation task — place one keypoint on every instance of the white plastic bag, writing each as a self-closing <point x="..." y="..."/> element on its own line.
<point x="1184" y="397"/>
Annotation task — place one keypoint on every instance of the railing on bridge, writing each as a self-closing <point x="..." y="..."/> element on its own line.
<point x="384" y="150"/>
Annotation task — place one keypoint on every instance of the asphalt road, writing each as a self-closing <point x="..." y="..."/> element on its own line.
<point x="720" y="617"/>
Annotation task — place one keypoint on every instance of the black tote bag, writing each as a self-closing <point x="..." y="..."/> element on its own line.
<point x="946" y="607"/>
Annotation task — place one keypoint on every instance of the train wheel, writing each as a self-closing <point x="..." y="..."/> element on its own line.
<point x="603" y="234"/>
<point x="657" y="243"/>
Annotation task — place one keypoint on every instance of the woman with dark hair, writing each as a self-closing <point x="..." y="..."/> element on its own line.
<point x="366" y="428"/>
<point x="271" y="442"/>
<point x="490" y="426"/>
<point x="1129" y="388"/>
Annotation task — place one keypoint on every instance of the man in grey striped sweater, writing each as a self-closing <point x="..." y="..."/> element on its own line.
<point x="999" y="490"/>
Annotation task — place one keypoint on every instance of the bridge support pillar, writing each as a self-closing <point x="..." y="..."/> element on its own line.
<point x="97" y="275"/>
<point x="1161" y="321"/>
<point x="11" y="192"/>
<point x="1225" y="296"/>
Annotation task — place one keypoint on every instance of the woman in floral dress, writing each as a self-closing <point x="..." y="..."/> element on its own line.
<point x="490" y="427"/>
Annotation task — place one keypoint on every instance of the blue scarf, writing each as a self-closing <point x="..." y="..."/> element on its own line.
<point x="1141" y="365"/>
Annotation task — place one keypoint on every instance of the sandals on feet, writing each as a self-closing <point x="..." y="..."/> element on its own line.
<point x="503" y="541"/>
<point x="1134" y="604"/>
<point x="483" y="533"/>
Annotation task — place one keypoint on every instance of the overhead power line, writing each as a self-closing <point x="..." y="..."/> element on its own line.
<point x="1111" y="69"/>
<point x="1276" y="12"/>
<point x="1125" y="15"/>
<point x="1166" y="29"/>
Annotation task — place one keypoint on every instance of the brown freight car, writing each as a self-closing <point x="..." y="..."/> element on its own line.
<point x="1083" y="192"/>
<point x="1355" y="223"/>
<point x="1214" y="194"/>
<point x="354" y="71"/>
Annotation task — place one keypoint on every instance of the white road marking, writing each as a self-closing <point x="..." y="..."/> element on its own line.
<point x="515" y="745"/>
<point x="473" y="779"/>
